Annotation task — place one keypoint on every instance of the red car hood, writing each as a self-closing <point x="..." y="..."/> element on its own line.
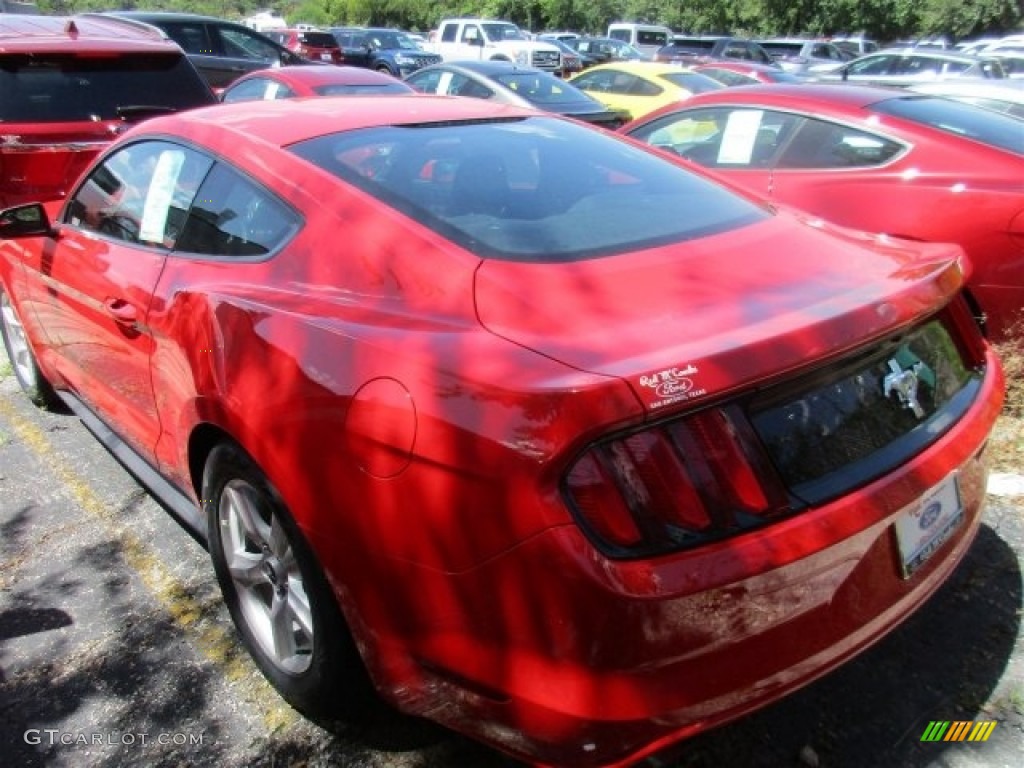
<point x="698" y="319"/>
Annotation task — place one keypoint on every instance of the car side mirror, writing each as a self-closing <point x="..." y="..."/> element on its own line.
<point x="28" y="220"/>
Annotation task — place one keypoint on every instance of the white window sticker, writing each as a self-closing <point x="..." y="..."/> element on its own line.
<point x="738" y="138"/>
<point x="158" y="196"/>
<point x="444" y="83"/>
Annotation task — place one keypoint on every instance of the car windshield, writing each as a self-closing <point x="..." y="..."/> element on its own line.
<point x="992" y="128"/>
<point x="534" y="189"/>
<point x="388" y="40"/>
<point x="49" y="88"/>
<point x="542" y="88"/>
<point x="504" y="32"/>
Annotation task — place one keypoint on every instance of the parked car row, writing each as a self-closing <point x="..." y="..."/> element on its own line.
<point x="907" y="164"/>
<point x="540" y="431"/>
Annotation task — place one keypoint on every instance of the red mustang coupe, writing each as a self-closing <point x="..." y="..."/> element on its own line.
<point x="299" y="82"/>
<point x="885" y="161"/>
<point x="508" y="419"/>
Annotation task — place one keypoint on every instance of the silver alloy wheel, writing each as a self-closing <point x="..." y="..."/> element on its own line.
<point x="267" y="579"/>
<point x="21" y="353"/>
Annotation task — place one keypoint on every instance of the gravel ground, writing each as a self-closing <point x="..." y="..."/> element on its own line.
<point x="116" y="651"/>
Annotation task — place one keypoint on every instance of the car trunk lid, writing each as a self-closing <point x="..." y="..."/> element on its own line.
<point x="700" y="319"/>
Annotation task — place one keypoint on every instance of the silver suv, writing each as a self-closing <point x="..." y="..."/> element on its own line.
<point x="801" y="56"/>
<point x="907" y="66"/>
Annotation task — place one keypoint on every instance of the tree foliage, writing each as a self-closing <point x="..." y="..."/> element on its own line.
<point x="878" y="19"/>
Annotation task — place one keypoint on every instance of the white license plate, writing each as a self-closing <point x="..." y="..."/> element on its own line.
<point x="325" y="56"/>
<point x="922" y="528"/>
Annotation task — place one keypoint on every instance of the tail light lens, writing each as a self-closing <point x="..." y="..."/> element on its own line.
<point x="677" y="485"/>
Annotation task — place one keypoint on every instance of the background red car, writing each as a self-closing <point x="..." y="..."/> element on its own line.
<point x="884" y="161"/>
<point x="314" y="45"/>
<point x="538" y="435"/>
<point x="69" y="85"/>
<point x="299" y="82"/>
<point x="746" y="73"/>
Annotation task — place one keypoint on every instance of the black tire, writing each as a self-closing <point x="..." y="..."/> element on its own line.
<point x="263" y="563"/>
<point x="19" y="352"/>
<point x="384" y="69"/>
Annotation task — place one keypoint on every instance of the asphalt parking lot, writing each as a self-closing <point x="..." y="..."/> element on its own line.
<point x="116" y="651"/>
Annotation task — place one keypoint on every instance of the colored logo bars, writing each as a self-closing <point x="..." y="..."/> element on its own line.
<point x="959" y="730"/>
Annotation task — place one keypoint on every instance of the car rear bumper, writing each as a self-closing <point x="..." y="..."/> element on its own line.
<point x="560" y="656"/>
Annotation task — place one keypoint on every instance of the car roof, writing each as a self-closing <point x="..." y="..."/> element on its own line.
<point x="1007" y="89"/>
<point x="283" y="122"/>
<point x="738" y="65"/>
<point x="931" y="53"/>
<point x="803" y="96"/>
<point x="484" y="67"/>
<point x="168" y="16"/>
<point x="323" y="75"/>
<point x="641" y="68"/>
<point x="22" y="33"/>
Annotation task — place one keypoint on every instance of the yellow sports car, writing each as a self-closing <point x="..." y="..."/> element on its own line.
<point x="639" y="87"/>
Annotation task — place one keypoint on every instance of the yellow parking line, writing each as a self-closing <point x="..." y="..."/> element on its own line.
<point x="215" y="643"/>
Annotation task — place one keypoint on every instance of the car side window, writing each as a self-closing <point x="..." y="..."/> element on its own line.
<point x="192" y="38"/>
<point x="640" y="87"/>
<point x="595" y="81"/>
<point x="241" y="44"/>
<point x="140" y="193"/>
<point x="250" y="90"/>
<point x="234" y="217"/>
<point x="916" y="65"/>
<point x="820" y="144"/>
<point x="464" y="86"/>
<point x="876" y="65"/>
<point x="426" y="82"/>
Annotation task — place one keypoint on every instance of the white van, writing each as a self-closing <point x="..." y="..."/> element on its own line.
<point x="647" y="38"/>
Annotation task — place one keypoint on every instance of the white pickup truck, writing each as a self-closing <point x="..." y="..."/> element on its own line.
<point x="461" y="39"/>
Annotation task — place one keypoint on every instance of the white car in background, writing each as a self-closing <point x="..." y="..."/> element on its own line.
<point x="1005" y="96"/>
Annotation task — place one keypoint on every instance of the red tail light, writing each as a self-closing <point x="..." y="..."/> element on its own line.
<point x="674" y="486"/>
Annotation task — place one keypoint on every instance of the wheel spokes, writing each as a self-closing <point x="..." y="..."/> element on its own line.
<point x="267" y="578"/>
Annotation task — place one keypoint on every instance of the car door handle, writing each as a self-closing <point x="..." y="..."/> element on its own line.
<point x="122" y="311"/>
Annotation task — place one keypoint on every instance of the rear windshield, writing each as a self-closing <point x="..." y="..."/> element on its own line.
<point x="532" y="189"/>
<point x="694" y="82"/>
<point x="783" y="49"/>
<point x="360" y="89"/>
<point x="54" y="88"/>
<point x="318" y="39"/>
<point x="994" y="129"/>
<point x="543" y="88"/>
<point x="696" y="46"/>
